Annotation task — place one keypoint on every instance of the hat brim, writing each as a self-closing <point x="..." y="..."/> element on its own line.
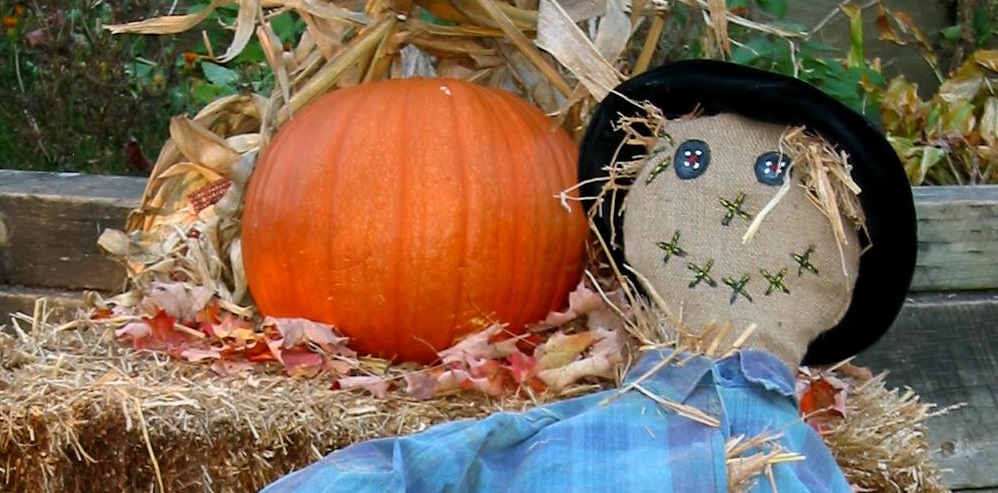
<point x="887" y="265"/>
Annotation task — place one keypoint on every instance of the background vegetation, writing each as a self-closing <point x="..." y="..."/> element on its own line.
<point x="75" y="98"/>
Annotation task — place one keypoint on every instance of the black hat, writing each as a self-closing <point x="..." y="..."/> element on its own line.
<point x="710" y="87"/>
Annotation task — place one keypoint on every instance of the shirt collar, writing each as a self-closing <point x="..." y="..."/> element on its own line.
<point x="677" y="379"/>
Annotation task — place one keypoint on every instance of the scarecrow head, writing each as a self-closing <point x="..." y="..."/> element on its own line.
<point x="749" y="199"/>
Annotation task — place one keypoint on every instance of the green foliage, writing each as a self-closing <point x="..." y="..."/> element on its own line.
<point x="76" y="98"/>
<point x="844" y="75"/>
<point x="69" y="102"/>
<point x="951" y="138"/>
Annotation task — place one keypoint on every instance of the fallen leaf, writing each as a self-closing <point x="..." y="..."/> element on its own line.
<point x="561" y="349"/>
<point x="422" y="385"/>
<point x="604" y="358"/>
<point x="377" y="386"/>
<point x="224" y="367"/>
<point x="580" y="302"/>
<point x="198" y="354"/>
<point x="478" y="346"/>
<point x="180" y="300"/>
<point x="134" y="330"/>
<point x="299" y="331"/>
<point x="522" y="367"/>
<point x="159" y="334"/>
<point x="259" y="351"/>
<point x="234" y="331"/>
<point x="302" y="362"/>
<point x="822" y="396"/>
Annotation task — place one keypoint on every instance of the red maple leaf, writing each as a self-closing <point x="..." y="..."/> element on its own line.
<point x="163" y="334"/>
<point x="101" y="313"/>
<point x="821" y="401"/>
<point x="259" y="351"/>
<point x="522" y="367"/>
<point x="301" y="362"/>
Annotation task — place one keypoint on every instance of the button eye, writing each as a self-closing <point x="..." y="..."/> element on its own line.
<point x="771" y="168"/>
<point x="692" y="159"/>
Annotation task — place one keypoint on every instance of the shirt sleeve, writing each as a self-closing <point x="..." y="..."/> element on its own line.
<point x="630" y="444"/>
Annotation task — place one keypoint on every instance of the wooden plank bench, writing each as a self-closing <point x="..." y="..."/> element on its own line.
<point x="944" y="344"/>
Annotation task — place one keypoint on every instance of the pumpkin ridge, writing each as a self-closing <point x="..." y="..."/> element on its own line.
<point x="503" y="297"/>
<point x="539" y="233"/>
<point x="456" y="119"/>
<point x="564" y="176"/>
<point x="505" y="112"/>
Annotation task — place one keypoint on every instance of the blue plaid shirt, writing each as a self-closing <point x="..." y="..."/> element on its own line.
<point x="631" y="444"/>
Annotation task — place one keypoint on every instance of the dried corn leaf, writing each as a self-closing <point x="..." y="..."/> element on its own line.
<point x="988" y="125"/>
<point x="245" y="23"/>
<point x="987" y="59"/>
<point x="614" y="31"/>
<point x="171" y="24"/>
<point x="201" y="146"/>
<point x="561" y="37"/>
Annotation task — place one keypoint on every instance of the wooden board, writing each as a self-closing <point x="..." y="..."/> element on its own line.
<point x="49" y="225"/>
<point x="957" y="238"/>
<point x="945" y="347"/>
<point x="60" y="305"/>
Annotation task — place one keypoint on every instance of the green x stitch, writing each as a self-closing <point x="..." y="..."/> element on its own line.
<point x="658" y="169"/>
<point x="738" y="287"/>
<point x="702" y="274"/>
<point x="804" y="262"/>
<point x="734" y="209"/>
<point x="775" y="281"/>
<point x="671" y="248"/>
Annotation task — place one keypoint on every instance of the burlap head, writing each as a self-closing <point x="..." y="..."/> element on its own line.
<point x="790" y="278"/>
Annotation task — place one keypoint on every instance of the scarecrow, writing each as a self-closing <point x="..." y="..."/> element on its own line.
<point x="755" y="213"/>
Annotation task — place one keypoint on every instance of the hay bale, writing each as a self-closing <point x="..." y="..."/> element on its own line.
<point x="82" y="413"/>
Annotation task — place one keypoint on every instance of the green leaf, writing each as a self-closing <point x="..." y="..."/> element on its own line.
<point x="737" y="4"/>
<point x="952" y="33"/>
<point x="204" y="92"/>
<point x="775" y="8"/>
<point x="251" y="54"/>
<point x="286" y="27"/>
<point x="219" y="75"/>
<point x="931" y="156"/>
<point x="752" y="51"/>
<point x="855" y="15"/>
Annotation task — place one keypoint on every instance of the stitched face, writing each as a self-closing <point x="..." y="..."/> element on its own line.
<point x="685" y="218"/>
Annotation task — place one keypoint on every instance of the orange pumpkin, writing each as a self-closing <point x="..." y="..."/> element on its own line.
<point x="409" y="213"/>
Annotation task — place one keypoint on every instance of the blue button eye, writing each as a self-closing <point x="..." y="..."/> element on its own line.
<point x="771" y="168"/>
<point x="692" y="159"/>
